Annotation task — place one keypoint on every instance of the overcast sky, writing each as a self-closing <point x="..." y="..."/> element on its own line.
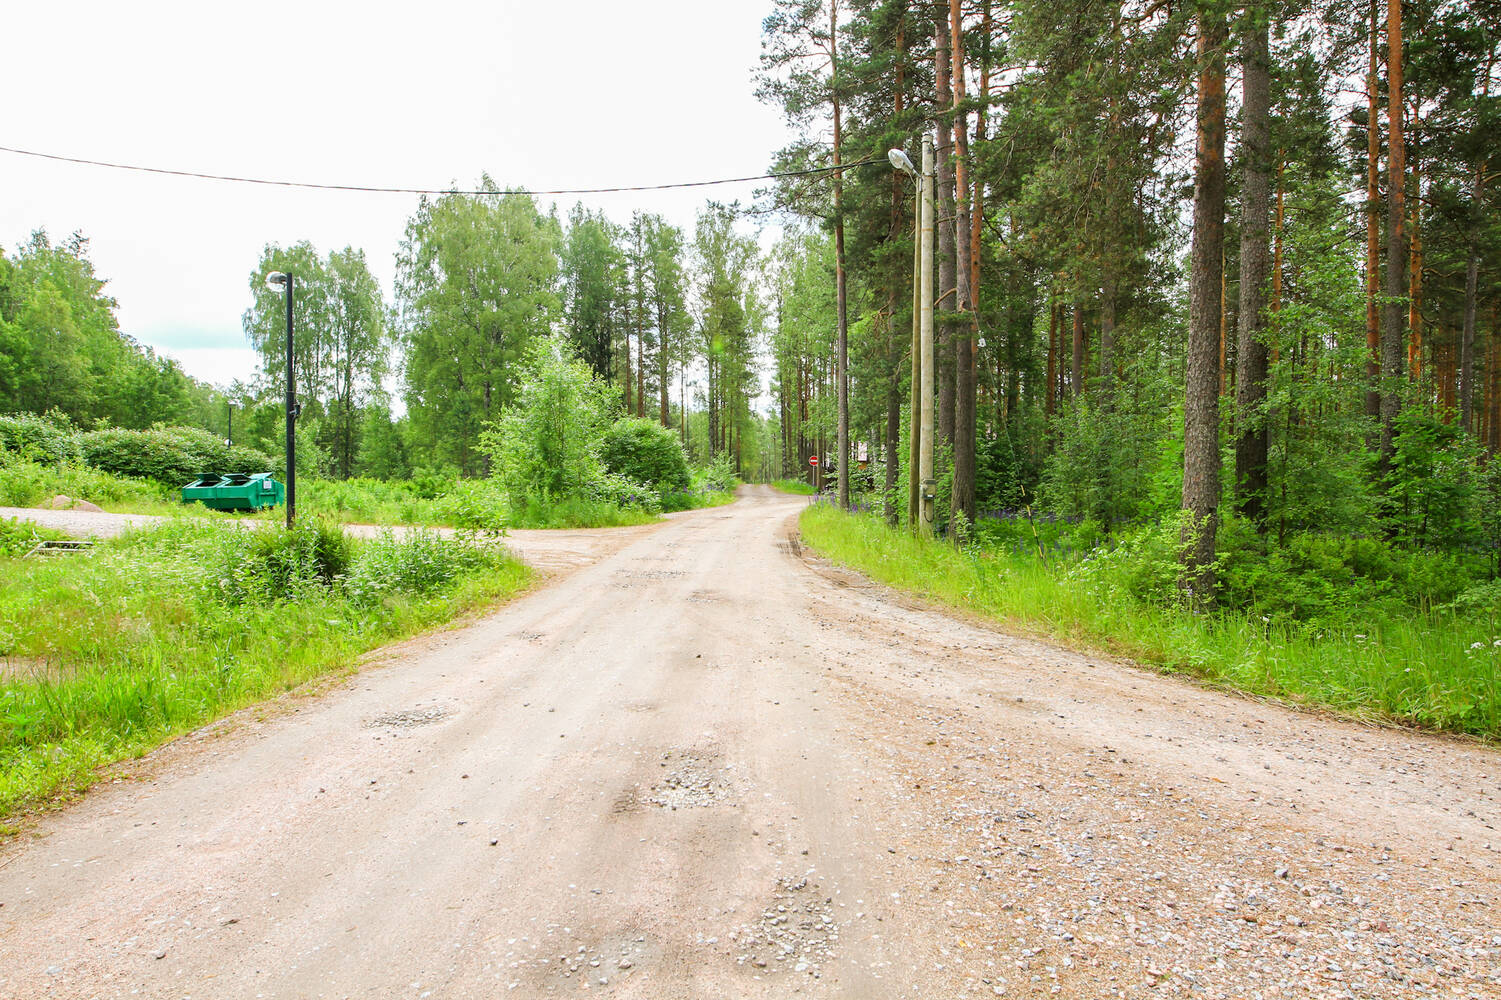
<point x="570" y="94"/>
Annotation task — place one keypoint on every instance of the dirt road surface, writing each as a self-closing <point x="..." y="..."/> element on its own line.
<point x="703" y="765"/>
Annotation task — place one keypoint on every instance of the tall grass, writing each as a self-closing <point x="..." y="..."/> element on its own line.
<point x="1437" y="669"/>
<point x="793" y="486"/>
<point x="105" y="656"/>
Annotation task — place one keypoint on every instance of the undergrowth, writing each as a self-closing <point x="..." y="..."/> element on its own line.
<point x="1436" y="665"/>
<point x="105" y="656"/>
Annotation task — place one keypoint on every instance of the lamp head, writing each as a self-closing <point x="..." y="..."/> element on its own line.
<point x="900" y="161"/>
<point x="275" y="279"/>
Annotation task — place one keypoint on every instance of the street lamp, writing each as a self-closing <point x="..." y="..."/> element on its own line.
<point x="921" y="487"/>
<point x="277" y="279"/>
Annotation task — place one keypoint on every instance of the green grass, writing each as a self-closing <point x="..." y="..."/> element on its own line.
<point x="27" y="484"/>
<point x="107" y="655"/>
<point x="793" y="486"/>
<point x="1437" y="670"/>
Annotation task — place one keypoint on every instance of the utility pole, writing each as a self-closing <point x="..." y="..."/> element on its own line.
<point x="925" y="293"/>
<point x="920" y="488"/>
<point x="914" y="457"/>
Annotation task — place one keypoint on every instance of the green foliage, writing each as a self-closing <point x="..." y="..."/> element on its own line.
<point x="61" y="348"/>
<point x="1434" y="484"/>
<point x="546" y="444"/>
<point x="1433" y="668"/>
<point x="140" y="640"/>
<point x="647" y="452"/>
<point x="26" y="484"/>
<point x="278" y="564"/>
<point x="172" y="456"/>
<point x="796" y="486"/>
<point x="46" y="439"/>
<point x="475" y="287"/>
<point x="18" y="537"/>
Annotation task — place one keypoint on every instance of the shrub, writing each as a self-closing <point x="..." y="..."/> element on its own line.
<point x="170" y="455"/>
<point x="19" y="537"/>
<point x="475" y="503"/>
<point x="647" y="452"/>
<point x="46" y="439"/>
<point x="719" y="475"/>
<point x="26" y="484"/>
<point x="277" y="564"/>
<point x="622" y="491"/>
<point x="546" y="445"/>
<point x="418" y="564"/>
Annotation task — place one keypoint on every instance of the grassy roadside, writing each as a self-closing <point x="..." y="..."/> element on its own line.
<point x="1437" y="670"/>
<point x="796" y="486"/>
<point x="106" y="656"/>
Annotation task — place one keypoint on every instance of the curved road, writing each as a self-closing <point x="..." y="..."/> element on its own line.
<point x="702" y="765"/>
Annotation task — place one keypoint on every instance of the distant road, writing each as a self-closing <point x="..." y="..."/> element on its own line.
<point x="705" y="765"/>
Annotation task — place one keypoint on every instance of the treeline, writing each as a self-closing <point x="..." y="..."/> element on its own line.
<point x="61" y="348"/>
<point x="672" y="320"/>
<point x="1239" y="260"/>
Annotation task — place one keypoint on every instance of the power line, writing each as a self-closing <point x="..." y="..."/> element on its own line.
<point x="438" y="191"/>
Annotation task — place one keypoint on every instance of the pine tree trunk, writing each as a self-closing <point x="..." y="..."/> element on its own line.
<point x="965" y="332"/>
<point x="1250" y="349"/>
<point x="841" y="347"/>
<point x="944" y="349"/>
<point x="1393" y="314"/>
<point x="1472" y="290"/>
<point x="1107" y="333"/>
<point x="1415" y="281"/>
<point x="1076" y="370"/>
<point x="1373" y="230"/>
<point x="1049" y="398"/>
<point x="1201" y="458"/>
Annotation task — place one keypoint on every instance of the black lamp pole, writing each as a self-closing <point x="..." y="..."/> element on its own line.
<point x="291" y="417"/>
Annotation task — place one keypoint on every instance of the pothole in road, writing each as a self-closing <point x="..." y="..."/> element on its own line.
<point x="694" y="779"/>
<point x="410" y="718"/>
<point x="796" y="933"/>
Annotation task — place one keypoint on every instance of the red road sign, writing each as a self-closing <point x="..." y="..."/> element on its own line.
<point x="813" y="460"/>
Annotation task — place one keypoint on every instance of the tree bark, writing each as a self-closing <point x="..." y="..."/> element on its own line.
<point x="944" y="350"/>
<point x="1201" y="459"/>
<point x="1393" y="314"/>
<point x="965" y="332"/>
<point x="1415" y="281"/>
<point x="1373" y="230"/>
<point x="1252" y="438"/>
<point x="1049" y="398"/>
<point x="1076" y="370"/>
<point x="841" y="347"/>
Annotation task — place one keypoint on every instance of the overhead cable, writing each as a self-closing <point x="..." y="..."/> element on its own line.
<point x="436" y="191"/>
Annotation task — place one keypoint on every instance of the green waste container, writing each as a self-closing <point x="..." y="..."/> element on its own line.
<point x="235" y="491"/>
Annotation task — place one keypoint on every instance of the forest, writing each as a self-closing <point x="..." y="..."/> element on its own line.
<point x="1217" y="284"/>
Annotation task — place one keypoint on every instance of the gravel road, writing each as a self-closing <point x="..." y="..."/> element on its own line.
<point x="701" y="764"/>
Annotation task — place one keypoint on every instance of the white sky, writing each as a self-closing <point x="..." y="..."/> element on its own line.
<point x="577" y="94"/>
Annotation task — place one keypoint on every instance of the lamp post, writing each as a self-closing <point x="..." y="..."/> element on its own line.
<point x="277" y="279"/>
<point x="921" y="487"/>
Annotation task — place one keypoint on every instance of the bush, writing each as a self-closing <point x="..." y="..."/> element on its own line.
<point x="475" y="503"/>
<point x="420" y="563"/>
<point x="26" y="484"/>
<point x="647" y="452"/>
<point x="622" y="491"/>
<point x="169" y="455"/>
<point x="46" y="440"/>
<point x="19" y="537"/>
<point x="719" y="475"/>
<point x="277" y="564"/>
<point x="547" y="443"/>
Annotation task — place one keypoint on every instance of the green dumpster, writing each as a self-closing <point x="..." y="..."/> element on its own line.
<point x="236" y="491"/>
